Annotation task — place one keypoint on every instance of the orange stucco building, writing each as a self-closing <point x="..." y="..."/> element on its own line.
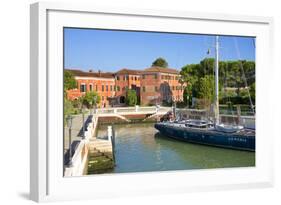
<point x="102" y="83"/>
<point x="153" y="85"/>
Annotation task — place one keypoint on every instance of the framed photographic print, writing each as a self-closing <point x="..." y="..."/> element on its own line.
<point x="127" y="102"/>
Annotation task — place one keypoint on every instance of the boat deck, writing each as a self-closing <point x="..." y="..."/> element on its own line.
<point x="240" y="133"/>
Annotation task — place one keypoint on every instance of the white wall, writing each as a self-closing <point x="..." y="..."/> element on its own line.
<point x="14" y="101"/>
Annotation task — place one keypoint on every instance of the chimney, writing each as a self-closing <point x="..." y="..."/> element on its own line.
<point x="100" y="73"/>
<point x="91" y="70"/>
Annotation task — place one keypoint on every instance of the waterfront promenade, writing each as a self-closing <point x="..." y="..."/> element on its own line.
<point x="82" y="148"/>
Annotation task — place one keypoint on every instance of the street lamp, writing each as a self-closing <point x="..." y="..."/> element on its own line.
<point x="95" y="103"/>
<point x="181" y="81"/>
<point x="69" y="125"/>
<point x="187" y="100"/>
<point x="83" y="123"/>
<point x="91" y="103"/>
<point x="174" y="109"/>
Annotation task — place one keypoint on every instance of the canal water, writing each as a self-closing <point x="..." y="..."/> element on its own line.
<point x="140" y="148"/>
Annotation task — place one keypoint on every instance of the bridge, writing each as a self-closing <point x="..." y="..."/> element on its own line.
<point x="124" y="113"/>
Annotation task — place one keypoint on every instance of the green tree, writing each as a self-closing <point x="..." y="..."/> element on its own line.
<point x="160" y="62"/>
<point x="231" y="74"/>
<point x="77" y="102"/>
<point x="187" y="95"/>
<point x="249" y="70"/>
<point x="190" y="73"/>
<point x="206" y="67"/>
<point x="206" y="87"/>
<point x="68" y="107"/>
<point x="69" y="81"/>
<point x="131" y="98"/>
<point x="90" y="99"/>
<point x="253" y="92"/>
<point x="228" y="93"/>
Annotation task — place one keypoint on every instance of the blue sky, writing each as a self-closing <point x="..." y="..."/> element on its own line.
<point x="109" y="50"/>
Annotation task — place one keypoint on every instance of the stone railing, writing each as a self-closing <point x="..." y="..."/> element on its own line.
<point x="79" y="160"/>
<point x="129" y="110"/>
<point x="80" y="156"/>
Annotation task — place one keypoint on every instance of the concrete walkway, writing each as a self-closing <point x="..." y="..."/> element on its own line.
<point x="76" y="131"/>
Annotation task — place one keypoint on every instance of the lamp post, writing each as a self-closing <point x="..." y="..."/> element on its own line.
<point x="181" y="81"/>
<point x="95" y="103"/>
<point x="187" y="100"/>
<point x="174" y="110"/>
<point x="83" y="123"/>
<point x="91" y="103"/>
<point x="69" y="125"/>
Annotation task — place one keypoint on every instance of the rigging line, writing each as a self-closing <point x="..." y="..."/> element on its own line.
<point x="179" y="57"/>
<point x="243" y="73"/>
<point x="205" y="63"/>
<point x="228" y="97"/>
<point x="205" y="41"/>
<point x="254" y="42"/>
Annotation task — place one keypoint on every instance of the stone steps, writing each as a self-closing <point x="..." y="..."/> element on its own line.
<point x="100" y="156"/>
<point x="100" y="147"/>
<point x="100" y="143"/>
<point x="99" y="164"/>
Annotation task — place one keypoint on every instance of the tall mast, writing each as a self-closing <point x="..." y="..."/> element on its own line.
<point x="217" y="82"/>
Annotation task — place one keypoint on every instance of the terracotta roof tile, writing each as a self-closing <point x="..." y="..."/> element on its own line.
<point x="129" y="71"/>
<point x="161" y="70"/>
<point x="81" y="73"/>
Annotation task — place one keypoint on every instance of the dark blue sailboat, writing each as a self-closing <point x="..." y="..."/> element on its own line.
<point x="243" y="139"/>
<point x="207" y="132"/>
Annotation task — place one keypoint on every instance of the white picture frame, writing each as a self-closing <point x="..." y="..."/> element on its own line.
<point x="46" y="176"/>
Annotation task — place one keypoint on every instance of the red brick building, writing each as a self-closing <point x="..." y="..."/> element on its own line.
<point x="160" y="85"/>
<point x="126" y="79"/>
<point x="153" y="85"/>
<point x="102" y="83"/>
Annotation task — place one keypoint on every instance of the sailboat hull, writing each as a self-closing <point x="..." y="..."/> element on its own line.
<point x="241" y="140"/>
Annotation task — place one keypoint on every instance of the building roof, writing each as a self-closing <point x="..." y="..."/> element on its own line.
<point x="156" y="69"/>
<point x="129" y="71"/>
<point x="81" y="73"/>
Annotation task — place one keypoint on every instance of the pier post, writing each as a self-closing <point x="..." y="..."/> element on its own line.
<point x="109" y="133"/>
<point x="111" y="139"/>
<point x="83" y="124"/>
<point x="238" y="114"/>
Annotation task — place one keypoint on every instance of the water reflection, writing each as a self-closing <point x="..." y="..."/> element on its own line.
<point x="201" y="156"/>
<point x="139" y="148"/>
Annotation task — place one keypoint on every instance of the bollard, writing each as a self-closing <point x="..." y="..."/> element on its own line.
<point x="109" y="133"/>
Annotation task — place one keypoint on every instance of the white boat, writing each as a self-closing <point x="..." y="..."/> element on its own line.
<point x="228" y="128"/>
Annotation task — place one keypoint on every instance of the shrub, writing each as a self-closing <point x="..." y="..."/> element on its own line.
<point x="131" y="98"/>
